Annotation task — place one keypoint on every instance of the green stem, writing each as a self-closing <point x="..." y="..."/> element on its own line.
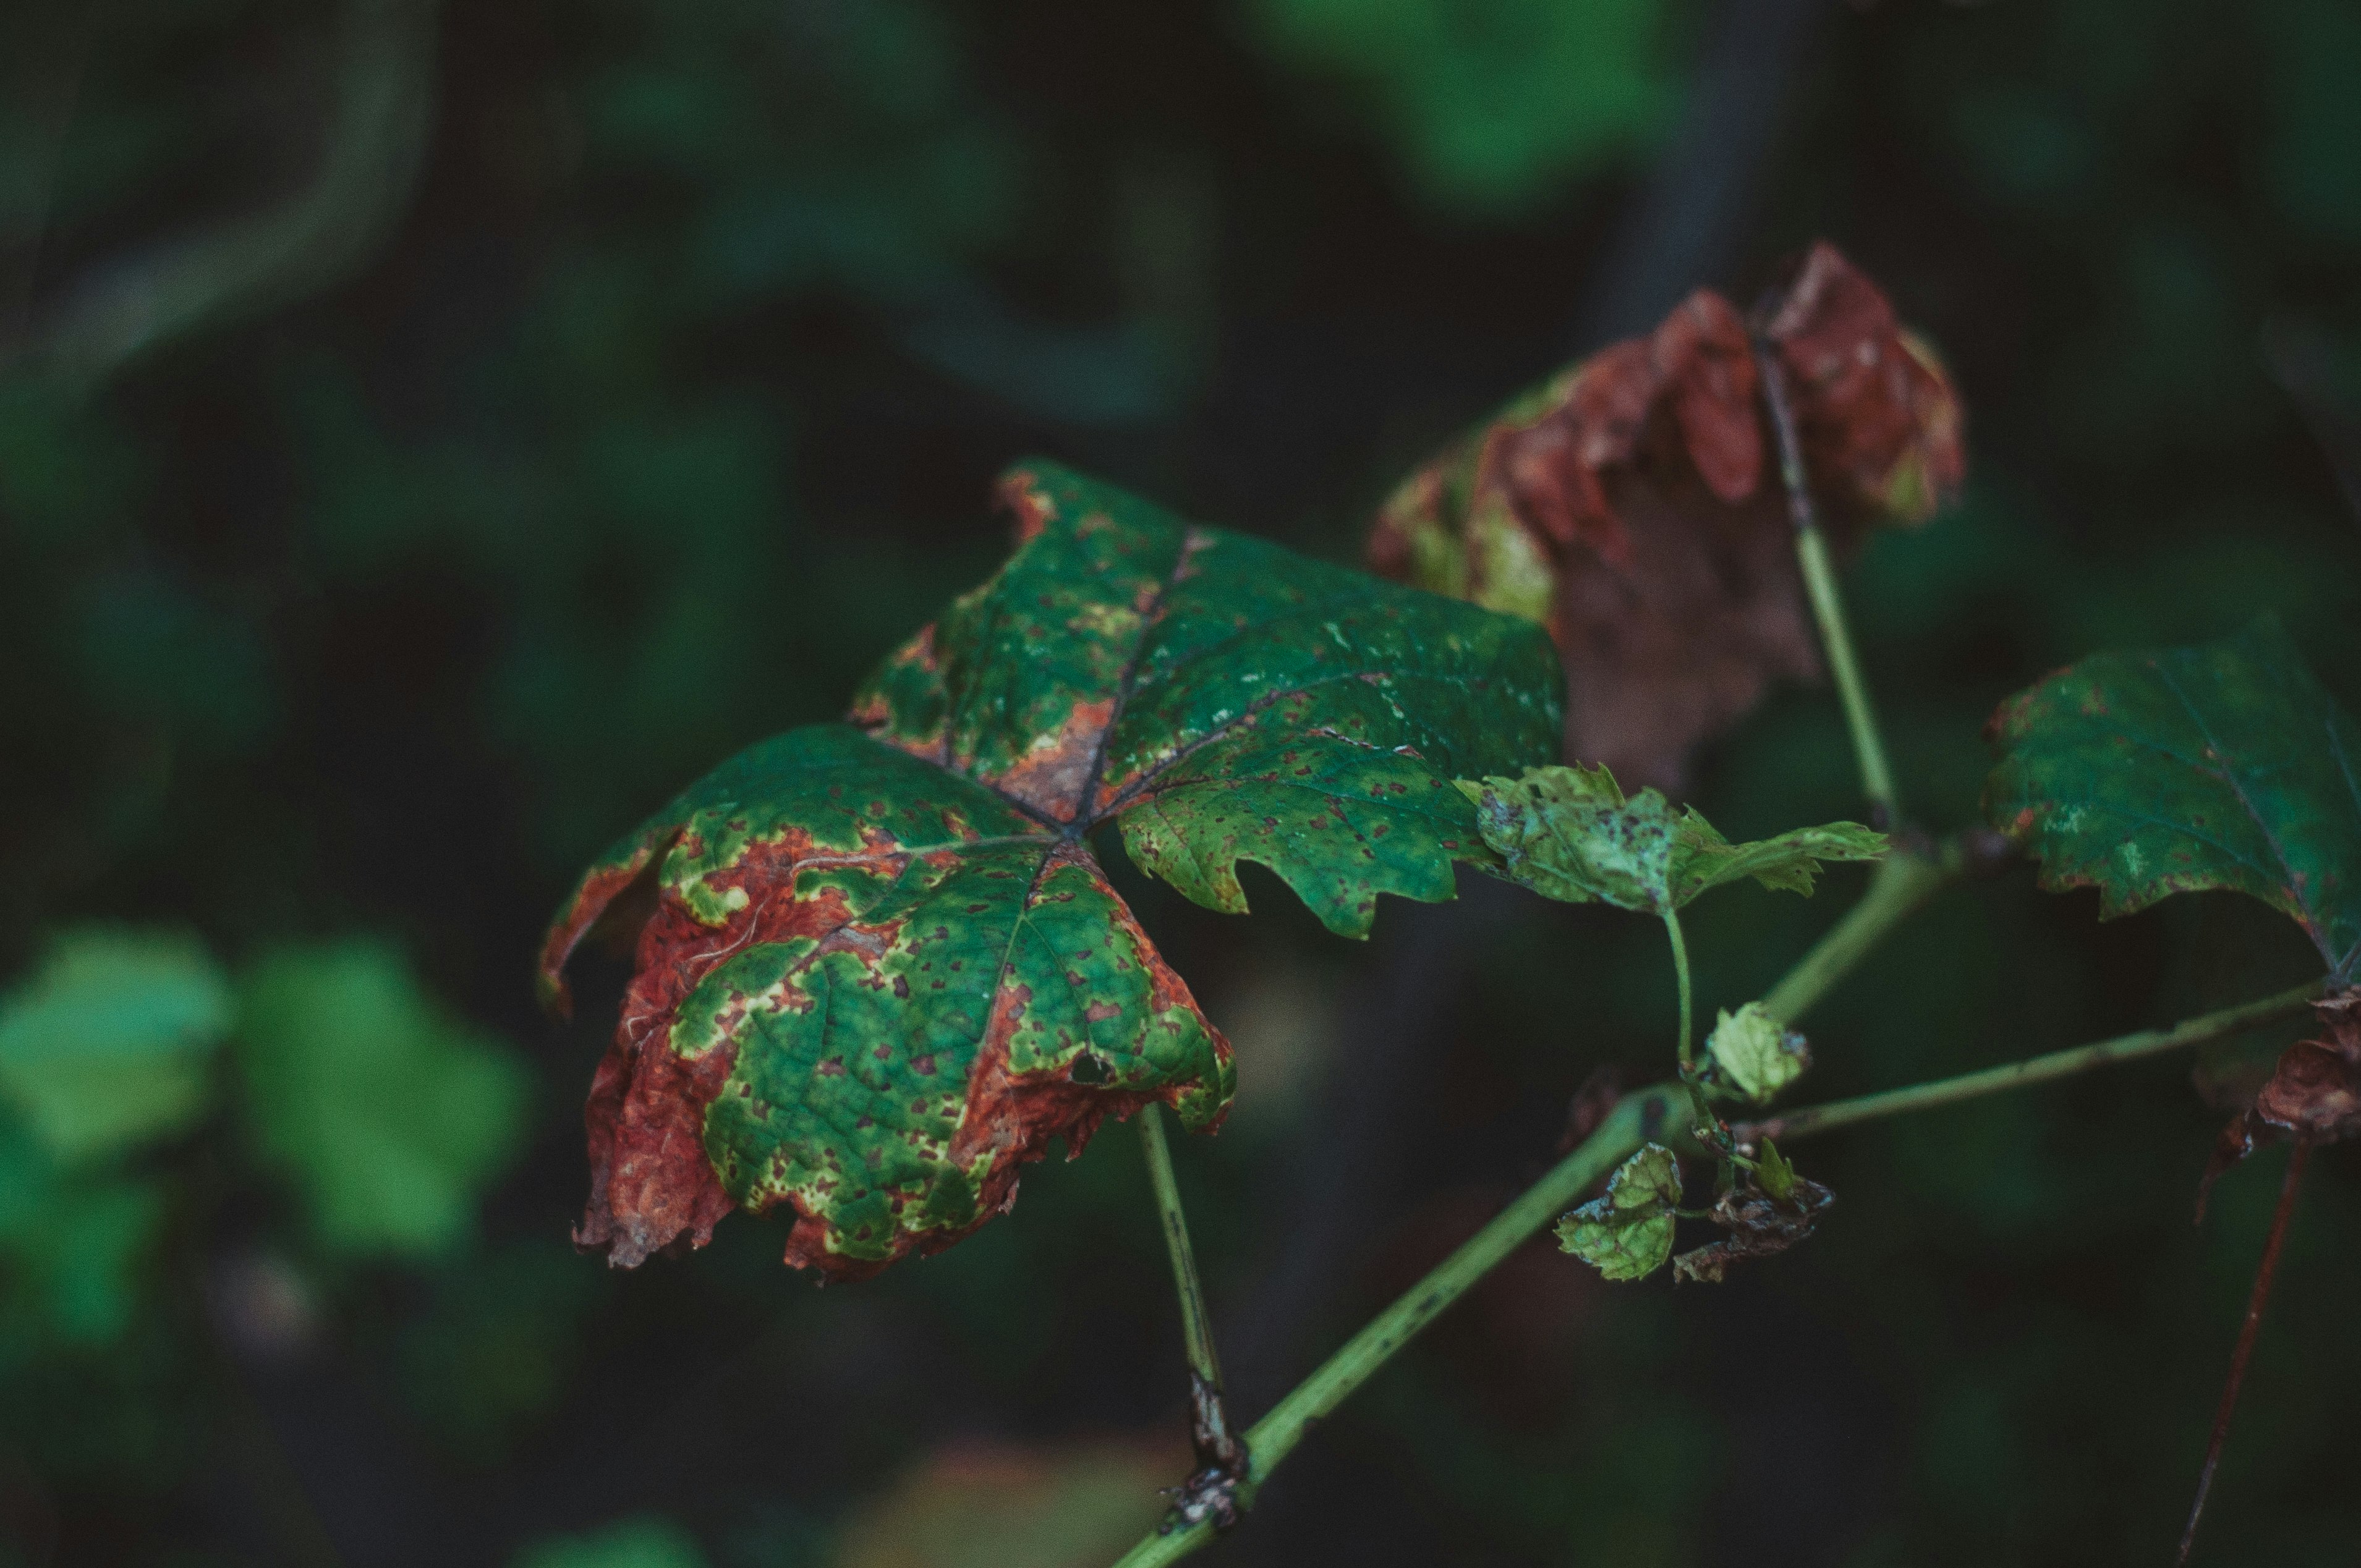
<point x="1828" y="607"/>
<point x="1681" y="973"/>
<point x="1868" y="744"/>
<point x="2189" y="1032"/>
<point x="1196" y="1326"/>
<point x="1903" y="881"/>
<point x="1703" y="1120"/>
<point x="1636" y="1118"/>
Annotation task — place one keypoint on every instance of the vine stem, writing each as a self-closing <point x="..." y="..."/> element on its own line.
<point x="1827" y="606"/>
<point x="2256" y="1300"/>
<point x="2189" y="1032"/>
<point x="1635" y="1118"/>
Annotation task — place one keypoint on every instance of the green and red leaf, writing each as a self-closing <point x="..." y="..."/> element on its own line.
<point x="2224" y="766"/>
<point x="878" y="966"/>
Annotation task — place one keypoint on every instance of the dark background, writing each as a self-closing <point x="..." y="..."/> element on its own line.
<point x="428" y="436"/>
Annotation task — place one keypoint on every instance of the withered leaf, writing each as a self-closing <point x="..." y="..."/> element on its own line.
<point x="2314" y="1092"/>
<point x="1632" y="505"/>
<point x="1759" y="1225"/>
<point x="879" y="966"/>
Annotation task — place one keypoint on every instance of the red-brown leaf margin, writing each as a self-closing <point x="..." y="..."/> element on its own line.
<point x="652" y="1186"/>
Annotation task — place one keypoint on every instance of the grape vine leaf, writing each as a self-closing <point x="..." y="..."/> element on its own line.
<point x="1632" y="505"/>
<point x="1568" y="833"/>
<point x="879" y="967"/>
<point x="1628" y="1232"/>
<point x="2223" y="765"/>
<point x="1755" y="1053"/>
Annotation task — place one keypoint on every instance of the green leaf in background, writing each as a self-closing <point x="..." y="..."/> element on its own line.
<point x="1569" y="833"/>
<point x="1755" y="1053"/>
<point x="2223" y="765"/>
<point x="884" y="970"/>
<point x="644" y="1542"/>
<point x="1628" y="1234"/>
<point x="110" y="1043"/>
<point x="1492" y="105"/>
<point x="70" y="1245"/>
<point x="385" y="1113"/>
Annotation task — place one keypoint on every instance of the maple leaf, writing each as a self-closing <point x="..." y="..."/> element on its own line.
<point x="1632" y="505"/>
<point x="879" y="967"/>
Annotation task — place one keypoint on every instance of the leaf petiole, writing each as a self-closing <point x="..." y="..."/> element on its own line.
<point x="1216" y="1448"/>
<point x="1708" y="1126"/>
<point x="1827" y="606"/>
<point x="1681" y="973"/>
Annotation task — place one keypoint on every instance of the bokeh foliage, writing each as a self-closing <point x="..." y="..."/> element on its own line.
<point x="632" y="410"/>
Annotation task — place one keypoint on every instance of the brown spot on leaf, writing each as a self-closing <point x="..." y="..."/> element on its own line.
<point x="1030" y="506"/>
<point x="1051" y="776"/>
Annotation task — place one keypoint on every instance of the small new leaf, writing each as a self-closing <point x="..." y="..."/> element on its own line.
<point x="1568" y="833"/>
<point x="1773" y="1173"/>
<point x="2224" y="766"/>
<point x="1756" y="1054"/>
<point x="1628" y="1234"/>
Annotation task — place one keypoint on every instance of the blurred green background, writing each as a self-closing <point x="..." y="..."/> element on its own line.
<point x="430" y="435"/>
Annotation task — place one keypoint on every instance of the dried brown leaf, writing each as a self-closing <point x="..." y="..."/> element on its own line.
<point x="1631" y="506"/>
<point x="1758" y="1226"/>
<point x="2313" y="1095"/>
